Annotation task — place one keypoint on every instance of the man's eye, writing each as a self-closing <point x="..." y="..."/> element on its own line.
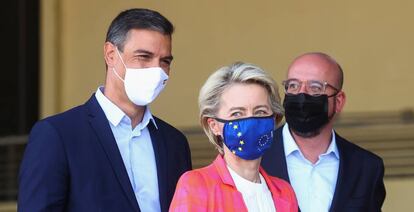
<point x="144" y="57"/>
<point x="167" y="62"/>
<point x="316" y="88"/>
<point x="293" y="86"/>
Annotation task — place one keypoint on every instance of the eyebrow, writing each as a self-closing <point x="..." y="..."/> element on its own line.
<point x="237" y="108"/>
<point x="143" y="51"/>
<point x="243" y="109"/>
<point x="261" y="106"/>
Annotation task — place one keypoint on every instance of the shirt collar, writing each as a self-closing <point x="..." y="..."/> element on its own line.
<point x="333" y="147"/>
<point x="291" y="146"/>
<point x="288" y="141"/>
<point x="114" y="114"/>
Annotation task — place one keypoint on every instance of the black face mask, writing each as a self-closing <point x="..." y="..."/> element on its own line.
<point x="306" y="114"/>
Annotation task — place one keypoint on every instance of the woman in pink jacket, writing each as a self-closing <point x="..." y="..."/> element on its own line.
<point x="239" y="109"/>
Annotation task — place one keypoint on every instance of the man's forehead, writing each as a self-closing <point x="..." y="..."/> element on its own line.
<point x="149" y="40"/>
<point x="311" y="67"/>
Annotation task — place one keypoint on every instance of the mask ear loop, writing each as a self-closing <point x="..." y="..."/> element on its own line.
<point x="116" y="73"/>
<point x="119" y="54"/>
<point x="334" y="108"/>
<point x="113" y="68"/>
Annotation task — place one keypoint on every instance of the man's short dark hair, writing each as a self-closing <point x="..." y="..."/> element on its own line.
<point x="137" y="18"/>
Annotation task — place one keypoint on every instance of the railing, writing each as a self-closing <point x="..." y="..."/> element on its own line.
<point x="11" y="151"/>
<point x="390" y="135"/>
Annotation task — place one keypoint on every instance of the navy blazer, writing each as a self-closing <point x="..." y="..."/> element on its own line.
<point x="72" y="163"/>
<point x="359" y="186"/>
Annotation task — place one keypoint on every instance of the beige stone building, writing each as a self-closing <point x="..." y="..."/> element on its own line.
<point x="372" y="40"/>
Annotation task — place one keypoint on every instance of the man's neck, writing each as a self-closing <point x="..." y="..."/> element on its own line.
<point x="120" y="99"/>
<point x="313" y="147"/>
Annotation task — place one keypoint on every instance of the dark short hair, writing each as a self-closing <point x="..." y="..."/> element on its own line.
<point x="137" y="18"/>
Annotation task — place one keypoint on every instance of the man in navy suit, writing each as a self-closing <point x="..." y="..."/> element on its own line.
<point x="327" y="172"/>
<point x="111" y="153"/>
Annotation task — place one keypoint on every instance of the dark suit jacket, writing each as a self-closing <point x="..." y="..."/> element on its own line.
<point x="359" y="186"/>
<point x="72" y="163"/>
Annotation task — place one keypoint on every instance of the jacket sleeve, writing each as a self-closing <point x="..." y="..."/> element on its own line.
<point x="43" y="177"/>
<point x="378" y="194"/>
<point x="190" y="194"/>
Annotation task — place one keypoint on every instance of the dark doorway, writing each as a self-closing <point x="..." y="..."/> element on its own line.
<point x="20" y="66"/>
<point x="19" y="86"/>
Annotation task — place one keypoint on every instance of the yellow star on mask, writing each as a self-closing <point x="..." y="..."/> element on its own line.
<point x="240" y="149"/>
<point x="234" y="152"/>
<point x="230" y="123"/>
<point x="239" y="134"/>
<point x="235" y="127"/>
<point x="241" y="142"/>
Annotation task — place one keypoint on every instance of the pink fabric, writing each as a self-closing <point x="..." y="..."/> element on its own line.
<point x="212" y="189"/>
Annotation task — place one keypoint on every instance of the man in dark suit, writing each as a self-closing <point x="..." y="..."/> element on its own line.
<point x="111" y="154"/>
<point x="327" y="172"/>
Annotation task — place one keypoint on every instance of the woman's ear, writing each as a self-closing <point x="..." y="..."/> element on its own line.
<point x="214" y="126"/>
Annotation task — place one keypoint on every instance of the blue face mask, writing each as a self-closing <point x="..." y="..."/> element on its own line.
<point x="248" y="138"/>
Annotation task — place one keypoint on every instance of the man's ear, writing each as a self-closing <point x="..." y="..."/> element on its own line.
<point x="110" y="54"/>
<point x="340" y="101"/>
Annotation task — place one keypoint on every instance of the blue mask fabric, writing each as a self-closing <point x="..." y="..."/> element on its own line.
<point x="248" y="138"/>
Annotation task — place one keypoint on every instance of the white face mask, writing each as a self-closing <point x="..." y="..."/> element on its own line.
<point x="143" y="85"/>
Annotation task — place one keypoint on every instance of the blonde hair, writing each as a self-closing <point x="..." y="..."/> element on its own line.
<point x="219" y="81"/>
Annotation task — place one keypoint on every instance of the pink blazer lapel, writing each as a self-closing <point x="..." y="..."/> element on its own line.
<point x="225" y="176"/>
<point x="281" y="203"/>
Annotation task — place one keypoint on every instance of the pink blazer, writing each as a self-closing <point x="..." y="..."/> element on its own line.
<point x="212" y="189"/>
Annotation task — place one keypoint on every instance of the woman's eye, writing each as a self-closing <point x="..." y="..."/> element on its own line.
<point x="236" y="114"/>
<point x="261" y="113"/>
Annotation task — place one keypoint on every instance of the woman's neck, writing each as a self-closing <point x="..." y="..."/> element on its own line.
<point x="248" y="169"/>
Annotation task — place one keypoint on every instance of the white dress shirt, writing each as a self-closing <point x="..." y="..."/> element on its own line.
<point x="136" y="150"/>
<point x="314" y="184"/>
<point x="256" y="196"/>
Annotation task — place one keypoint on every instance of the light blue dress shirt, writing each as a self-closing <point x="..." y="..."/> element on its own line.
<point x="136" y="150"/>
<point x="314" y="184"/>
